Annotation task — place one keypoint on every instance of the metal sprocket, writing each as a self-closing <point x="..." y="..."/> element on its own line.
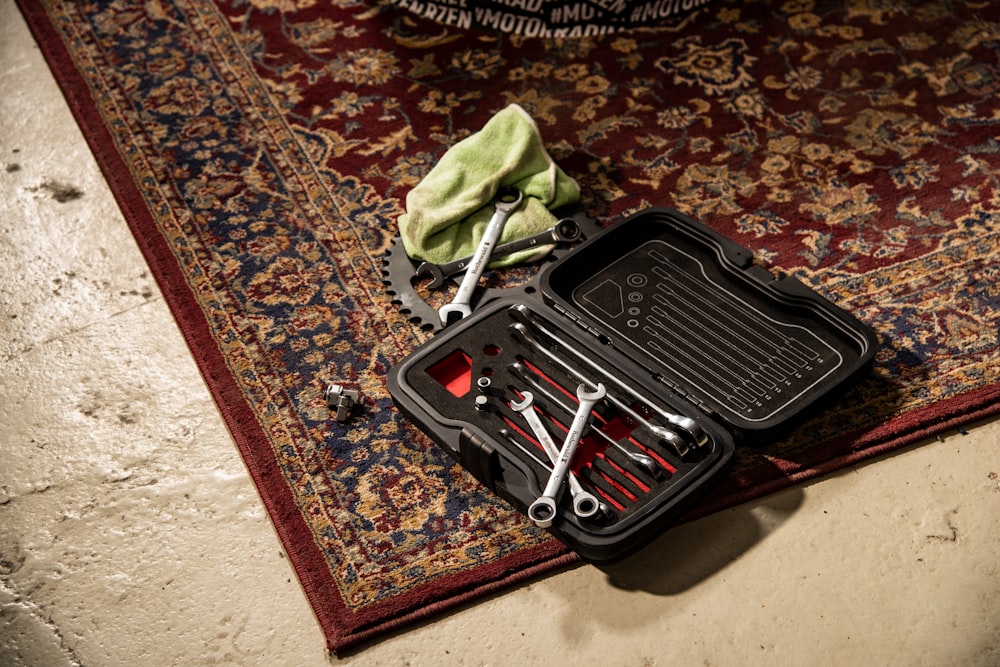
<point x="399" y="272"/>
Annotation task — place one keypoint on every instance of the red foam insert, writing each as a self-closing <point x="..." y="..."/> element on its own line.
<point x="454" y="373"/>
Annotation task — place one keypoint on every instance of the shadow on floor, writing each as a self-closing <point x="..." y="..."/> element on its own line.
<point x="688" y="554"/>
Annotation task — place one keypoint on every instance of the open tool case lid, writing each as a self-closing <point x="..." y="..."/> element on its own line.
<point x="670" y="316"/>
<point x="689" y="306"/>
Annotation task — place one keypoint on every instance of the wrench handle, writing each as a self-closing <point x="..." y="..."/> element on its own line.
<point x="585" y="504"/>
<point x="506" y="201"/>
<point x="483" y="253"/>
<point x="563" y="231"/>
<point x="543" y="511"/>
<point x="681" y="421"/>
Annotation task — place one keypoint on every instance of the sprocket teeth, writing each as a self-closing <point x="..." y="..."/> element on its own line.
<point x="398" y="271"/>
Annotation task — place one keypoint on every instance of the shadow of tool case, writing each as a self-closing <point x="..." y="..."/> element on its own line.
<point x="698" y="350"/>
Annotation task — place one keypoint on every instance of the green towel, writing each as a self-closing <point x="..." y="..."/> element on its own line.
<point x="447" y="212"/>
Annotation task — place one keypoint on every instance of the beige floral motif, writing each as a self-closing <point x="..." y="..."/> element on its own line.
<point x="941" y="75"/>
<point x="761" y="224"/>
<point x="401" y="498"/>
<point x="588" y="110"/>
<point x="803" y="78"/>
<point x="840" y="205"/>
<point x="183" y="94"/>
<point x="318" y="35"/>
<point x="366" y="66"/>
<point x="795" y="6"/>
<point x="593" y="85"/>
<point x="478" y="64"/>
<point x="540" y="106"/>
<point x="287" y="280"/>
<point x="917" y="41"/>
<point x="717" y="69"/>
<point x="268" y="246"/>
<point x="676" y="117"/>
<point x="713" y="190"/>
<point x="804" y="21"/>
<point x="877" y="11"/>
<point x="817" y="245"/>
<point x="875" y="132"/>
<point x="748" y="104"/>
<point x="283" y="6"/>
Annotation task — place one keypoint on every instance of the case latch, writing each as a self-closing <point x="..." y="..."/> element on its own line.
<point x="478" y="455"/>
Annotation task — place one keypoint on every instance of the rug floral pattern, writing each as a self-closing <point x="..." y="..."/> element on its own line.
<point x="850" y="144"/>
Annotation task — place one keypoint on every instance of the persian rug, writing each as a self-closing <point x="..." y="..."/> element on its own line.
<point x="261" y="151"/>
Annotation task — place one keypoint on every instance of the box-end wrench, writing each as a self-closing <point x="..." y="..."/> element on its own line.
<point x="645" y="463"/>
<point x="564" y="231"/>
<point x="585" y="504"/>
<point x="604" y="510"/>
<point x="505" y="202"/>
<point x="673" y="439"/>
<point x="543" y="511"/>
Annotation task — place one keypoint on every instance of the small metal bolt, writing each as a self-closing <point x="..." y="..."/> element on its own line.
<point x="341" y="401"/>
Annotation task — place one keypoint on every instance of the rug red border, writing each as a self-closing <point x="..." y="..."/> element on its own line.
<point x="342" y="628"/>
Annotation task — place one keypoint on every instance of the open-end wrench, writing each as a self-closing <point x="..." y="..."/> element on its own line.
<point x="543" y="511"/>
<point x="690" y="427"/>
<point x="506" y="201"/>
<point x="673" y="439"/>
<point x="564" y="231"/>
<point x="585" y="504"/>
<point x="646" y="463"/>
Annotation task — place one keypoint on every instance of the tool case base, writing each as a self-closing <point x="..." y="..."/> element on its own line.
<point x="699" y="350"/>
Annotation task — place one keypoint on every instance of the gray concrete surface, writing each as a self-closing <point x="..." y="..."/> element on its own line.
<point x="130" y="533"/>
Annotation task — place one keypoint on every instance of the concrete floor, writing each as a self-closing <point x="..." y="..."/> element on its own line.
<point x="130" y="533"/>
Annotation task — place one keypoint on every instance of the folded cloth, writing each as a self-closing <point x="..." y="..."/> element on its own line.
<point x="448" y="211"/>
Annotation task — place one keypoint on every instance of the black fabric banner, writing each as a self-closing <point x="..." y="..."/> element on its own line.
<point x="551" y="18"/>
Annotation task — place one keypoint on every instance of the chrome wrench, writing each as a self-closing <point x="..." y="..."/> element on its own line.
<point x="543" y="511"/>
<point x="603" y="508"/>
<point x="645" y="463"/>
<point x="585" y="504"/>
<point x="506" y="201"/>
<point x="564" y="231"/>
<point x="678" y="443"/>
<point x="688" y="425"/>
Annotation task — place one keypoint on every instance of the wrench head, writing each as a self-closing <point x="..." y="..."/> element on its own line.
<point x="566" y="230"/>
<point x="523" y="334"/>
<point x="524" y="403"/>
<point x="678" y="443"/>
<point x="507" y="199"/>
<point x="543" y="511"/>
<point x="433" y="271"/>
<point x="446" y="312"/>
<point x="592" y="396"/>
<point x="586" y="505"/>
<point x="521" y="313"/>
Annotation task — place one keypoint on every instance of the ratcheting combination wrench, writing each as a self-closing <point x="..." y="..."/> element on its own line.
<point x="585" y="504"/>
<point x="543" y="510"/>
<point x="678" y="443"/>
<point x="686" y="424"/>
<point x="646" y="463"/>
<point x="506" y="201"/>
<point x="564" y="231"/>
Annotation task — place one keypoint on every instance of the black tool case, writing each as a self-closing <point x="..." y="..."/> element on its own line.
<point x="673" y="319"/>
